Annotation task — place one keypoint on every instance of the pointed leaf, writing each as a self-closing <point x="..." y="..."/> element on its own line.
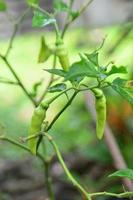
<point x="93" y="57"/>
<point x="60" y="5"/>
<point x="41" y="20"/>
<point x="82" y="69"/>
<point x="119" y="85"/>
<point x="58" y="72"/>
<point x="115" y="70"/>
<point x="120" y="82"/>
<point x="123" y="173"/>
<point x="57" y="88"/>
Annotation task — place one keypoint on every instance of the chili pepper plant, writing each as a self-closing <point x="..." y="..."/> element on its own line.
<point x="67" y="79"/>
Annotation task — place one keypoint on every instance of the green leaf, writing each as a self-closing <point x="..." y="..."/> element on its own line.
<point x="74" y="14"/>
<point x="123" y="173"/>
<point x="119" y="85"/>
<point x="60" y="5"/>
<point x="41" y="20"/>
<point x="58" y="72"/>
<point x="120" y="82"/>
<point x="82" y="69"/>
<point x="93" y="57"/>
<point x="44" y="52"/>
<point x="32" y="2"/>
<point x="116" y="70"/>
<point x="3" y="6"/>
<point x="57" y="88"/>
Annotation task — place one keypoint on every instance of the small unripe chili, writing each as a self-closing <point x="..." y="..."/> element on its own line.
<point x="62" y="54"/>
<point x="38" y="117"/>
<point x="100" y="105"/>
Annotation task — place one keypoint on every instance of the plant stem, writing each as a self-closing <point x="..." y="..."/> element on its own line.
<point x="47" y="174"/>
<point x="71" y="2"/>
<point x="18" y="79"/>
<point x="48" y="180"/>
<point x="66" y="170"/>
<point x="14" y="142"/>
<point x="16" y="26"/>
<point x="83" y="8"/>
<point x="7" y="81"/>
<point x="4" y="58"/>
<point x="30" y="137"/>
<point x="49" y="83"/>
<point x="69" y="22"/>
<point x="123" y="33"/>
<point x="46" y="164"/>
<point x="120" y="195"/>
<point x="62" y="110"/>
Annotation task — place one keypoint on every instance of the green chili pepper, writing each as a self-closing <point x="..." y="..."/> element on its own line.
<point x="62" y="54"/>
<point x="58" y="49"/>
<point x="38" y="117"/>
<point x="100" y="104"/>
<point x="45" y="51"/>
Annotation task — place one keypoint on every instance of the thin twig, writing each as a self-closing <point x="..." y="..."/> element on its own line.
<point x="124" y="33"/>
<point x="45" y="162"/>
<point x="62" y="110"/>
<point x="67" y="105"/>
<point x="85" y="6"/>
<point x="66" y="170"/>
<point x="16" y="26"/>
<point x="14" y="142"/>
<point x="120" y="195"/>
<point x="75" y="183"/>
<point x="7" y="81"/>
<point x="49" y="83"/>
<point x="18" y="79"/>
<point x="70" y="21"/>
<point x="30" y="137"/>
<point x="4" y="58"/>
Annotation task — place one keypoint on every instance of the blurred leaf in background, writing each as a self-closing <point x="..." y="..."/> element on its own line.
<point x="2" y="5"/>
